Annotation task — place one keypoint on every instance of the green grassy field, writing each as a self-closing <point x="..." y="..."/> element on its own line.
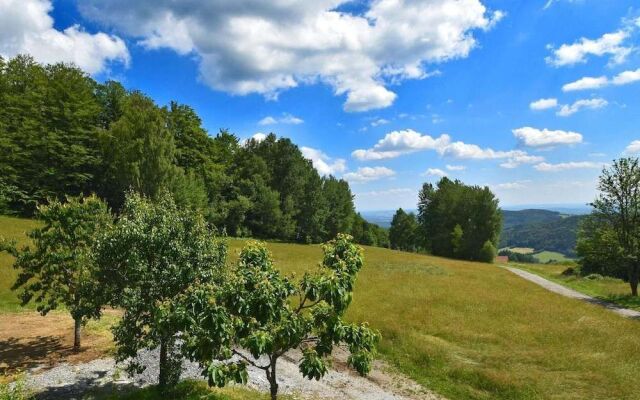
<point x="476" y="331"/>
<point x="609" y="289"/>
<point x="547" y="256"/>
<point x="11" y="229"/>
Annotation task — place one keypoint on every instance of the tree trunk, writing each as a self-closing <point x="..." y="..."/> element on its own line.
<point x="271" y="377"/>
<point x="76" y="334"/>
<point x="162" y="379"/>
<point x="170" y="365"/>
<point x="633" y="279"/>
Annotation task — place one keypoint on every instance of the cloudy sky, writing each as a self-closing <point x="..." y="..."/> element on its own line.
<point x="530" y="97"/>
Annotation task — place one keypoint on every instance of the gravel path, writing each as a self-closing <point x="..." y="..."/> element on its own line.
<point x="68" y="381"/>
<point x="564" y="291"/>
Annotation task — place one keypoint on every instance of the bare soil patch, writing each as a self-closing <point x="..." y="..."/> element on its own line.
<point x="29" y="340"/>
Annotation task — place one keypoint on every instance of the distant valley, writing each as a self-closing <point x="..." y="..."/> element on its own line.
<point x="553" y="229"/>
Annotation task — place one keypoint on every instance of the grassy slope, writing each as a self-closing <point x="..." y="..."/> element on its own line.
<point x="11" y="229"/>
<point x="475" y="331"/>
<point x="610" y="289"/>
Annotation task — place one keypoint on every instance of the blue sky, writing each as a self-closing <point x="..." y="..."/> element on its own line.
<point x="387" y="94"/>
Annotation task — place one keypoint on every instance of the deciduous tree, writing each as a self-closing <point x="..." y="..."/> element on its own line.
<point x="61" y="269"/>
<point x="259" y="314"/>
<point x="618" y="206"/>
<point x="153" y="254"/>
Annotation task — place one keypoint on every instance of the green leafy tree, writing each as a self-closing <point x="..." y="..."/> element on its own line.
<point x="452" y="203"/>
<point x="341" y="215"/>
<point x="598" y="249"/>
<point x="154" y="252"/>
<point x="487" y="252"/>
<point x="456" y="239"/>
<point x="402" y="233"/>
<point x="48" y="131"/>
<point x="618" y="206"/>
<point x="258" y="315"/>
<point x="61" y="268"/>
<point x="140" y="150"/>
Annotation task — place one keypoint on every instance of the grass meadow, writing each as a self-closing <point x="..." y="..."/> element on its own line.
<point x="551" y="256"/>
<point x="468" y="330"/>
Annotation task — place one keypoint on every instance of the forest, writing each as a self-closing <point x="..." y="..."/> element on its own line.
<point x="62" y="133"/>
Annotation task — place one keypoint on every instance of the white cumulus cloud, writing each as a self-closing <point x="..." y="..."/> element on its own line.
<point x="543" y="104"/>
<point x="366" y="174"/>
<point x="285" y="119"/>
<point x="633" y="148"/>
<point x="533" y="137"/>
<point x="546" y="167"/>
<point x="324" y="164"/>
<point x="518" y="160"/>
<point x="27" y="28"/>
<point x="611" y="44"/>
<point x="511" y="185"/>
<point x="456" y="167"/>
<point x="379" y="121"/>
<point x="626" y="77"/>
<point x="266" y="47"/>
<point x="398" y="143"/>
<point x="592" y="104"/>
<point x="586" y="83"/>
<point x="434" y="172"/>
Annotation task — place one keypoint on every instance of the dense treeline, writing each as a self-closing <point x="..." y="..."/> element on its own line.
<point x="62" y="133"/>
<point x="454" y="220"/>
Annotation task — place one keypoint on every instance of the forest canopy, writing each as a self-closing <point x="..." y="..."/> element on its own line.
<point x="63" y="133"/>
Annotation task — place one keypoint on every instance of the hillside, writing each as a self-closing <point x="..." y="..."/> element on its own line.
<point x="540" y="230"/>
<point x="464" y="329"/>
<point x="529" y="216"/>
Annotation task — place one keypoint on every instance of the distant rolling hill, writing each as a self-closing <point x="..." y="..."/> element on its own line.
<point x="540" y="229"/>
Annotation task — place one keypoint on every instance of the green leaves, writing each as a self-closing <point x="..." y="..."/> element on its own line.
<point x="163" y="265"/>
<point x="256" y="308"/>
<point x="312" y="365"/>
<point x="220" y="375"/>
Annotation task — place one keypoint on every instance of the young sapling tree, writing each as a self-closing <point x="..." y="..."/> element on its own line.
<point x="60" y="268"/>
<point x="257" y="315"/>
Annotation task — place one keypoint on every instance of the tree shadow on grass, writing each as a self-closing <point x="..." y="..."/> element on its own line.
<point x="16" y="354"/>
<point x="623" y="300"/>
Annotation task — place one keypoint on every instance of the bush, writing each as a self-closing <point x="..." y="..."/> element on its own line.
<point x="14" y="391"/>
<point x="593" y="277"/>
<point x="487" y="252"/>
<point x="569" y="272"/>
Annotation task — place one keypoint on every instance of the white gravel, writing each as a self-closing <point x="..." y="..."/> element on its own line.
<point x="67" y="381"/>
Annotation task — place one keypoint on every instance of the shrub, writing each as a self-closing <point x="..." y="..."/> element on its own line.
<point x="487" y="252"/>
<point x="593" y="277"/>
<point x="14" y="391"/>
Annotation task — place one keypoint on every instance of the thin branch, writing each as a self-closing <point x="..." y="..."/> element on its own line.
<point x="249" y="360"/>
